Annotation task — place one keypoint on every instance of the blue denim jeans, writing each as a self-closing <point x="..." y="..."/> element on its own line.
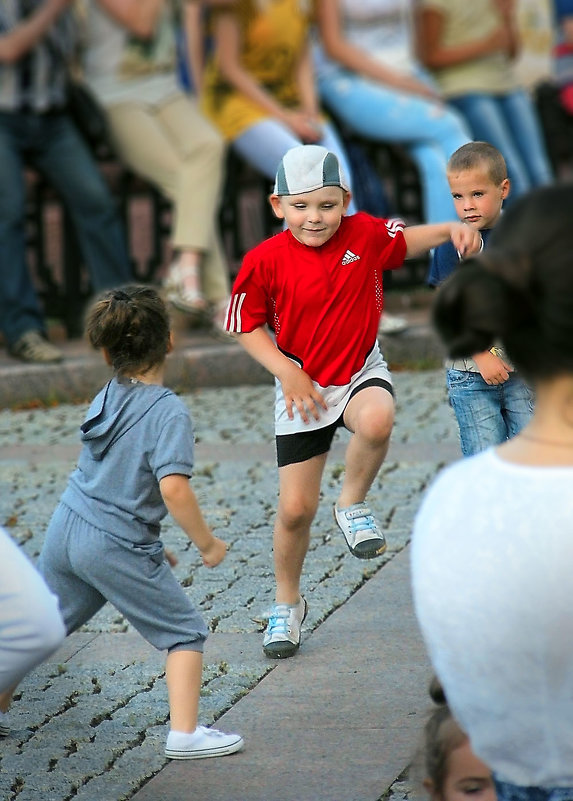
<point x="430" y="131"/>
<point x="264" y="144"/>
<point x="51" y="144"/>
<point x="510" y="123"/>
<point x="511" y="792"/>
<point x="487" y="414"/>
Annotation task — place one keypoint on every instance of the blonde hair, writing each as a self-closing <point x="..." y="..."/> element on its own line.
<point x="478" y="154"/>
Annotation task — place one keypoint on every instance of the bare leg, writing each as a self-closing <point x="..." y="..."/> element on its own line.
<point x="6" y="699"/>
<point x="186" y="740"/>
<point x="183" y="672"/>
<point x="298" y="501"/>
<point x="370" y="417"/>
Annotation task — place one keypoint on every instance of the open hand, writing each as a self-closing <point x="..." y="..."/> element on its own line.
<point x="299" y="390"/>
<point x="493" y="369"/>
<point x="304" y="126"/>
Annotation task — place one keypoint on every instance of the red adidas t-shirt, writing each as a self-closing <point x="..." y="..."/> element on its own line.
<point x="324" y="303"/>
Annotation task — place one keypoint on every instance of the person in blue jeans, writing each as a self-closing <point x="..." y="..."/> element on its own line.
<point x="368" y="76"/>
<point x="490" y="400"/>
<point x="37" y="40"/>
<point x="470" y="49"/>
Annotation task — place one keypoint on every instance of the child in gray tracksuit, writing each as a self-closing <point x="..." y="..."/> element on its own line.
<point x="103" y="543"/>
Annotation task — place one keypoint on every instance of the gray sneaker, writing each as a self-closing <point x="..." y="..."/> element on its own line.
<point x="361" y="532"/>
<point x="33" y="347"/>
<point x="282" y="637"/>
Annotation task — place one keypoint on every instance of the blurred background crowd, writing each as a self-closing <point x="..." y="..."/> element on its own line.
<point x="139" y="138"/>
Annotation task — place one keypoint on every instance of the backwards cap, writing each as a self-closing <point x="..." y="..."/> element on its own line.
<point x="306" y="168"/>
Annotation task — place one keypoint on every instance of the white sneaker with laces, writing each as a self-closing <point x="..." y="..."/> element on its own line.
<point x="282" y="637"/>
<point x="201" y="744"/>
<point x="361" y="532"/>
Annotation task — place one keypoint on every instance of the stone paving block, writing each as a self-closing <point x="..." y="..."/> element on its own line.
<point x="98" y="701"/>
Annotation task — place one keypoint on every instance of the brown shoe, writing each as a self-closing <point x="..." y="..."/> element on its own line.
<point x="33" y="347"/>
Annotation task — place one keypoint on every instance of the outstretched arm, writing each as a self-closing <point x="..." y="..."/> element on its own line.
<point x="422" y="238"/>
<point x="298" y="388"/>
<point x="182" y="505"/>
<point x="25" y="36"/>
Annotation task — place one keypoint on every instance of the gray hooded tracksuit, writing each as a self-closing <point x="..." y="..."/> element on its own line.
<point x="102" y="542"/>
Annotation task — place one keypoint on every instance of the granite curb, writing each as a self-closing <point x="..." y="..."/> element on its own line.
<point x="199" y="360"/>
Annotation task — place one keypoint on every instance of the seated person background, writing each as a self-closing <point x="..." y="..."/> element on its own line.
<point x="37" y="42"/>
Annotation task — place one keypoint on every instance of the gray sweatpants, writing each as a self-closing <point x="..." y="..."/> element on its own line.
<point x="85" y="567"/>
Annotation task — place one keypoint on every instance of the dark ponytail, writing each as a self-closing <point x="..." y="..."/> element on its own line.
<point x="132" y="324"/>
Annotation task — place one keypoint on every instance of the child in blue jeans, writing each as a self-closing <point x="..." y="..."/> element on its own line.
<point x="490" y="401"/>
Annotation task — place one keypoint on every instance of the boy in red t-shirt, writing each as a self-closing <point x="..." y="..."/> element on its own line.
<point x="306" y="304"/>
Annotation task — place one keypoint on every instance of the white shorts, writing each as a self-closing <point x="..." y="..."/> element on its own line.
<point x="336" y="397"/>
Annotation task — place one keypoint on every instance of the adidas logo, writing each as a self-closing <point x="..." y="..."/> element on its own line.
<point x="349" y="257"/>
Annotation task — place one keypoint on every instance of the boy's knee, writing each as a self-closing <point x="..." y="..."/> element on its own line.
<point x="296" y="513"/>
<point x="375" y="424"/>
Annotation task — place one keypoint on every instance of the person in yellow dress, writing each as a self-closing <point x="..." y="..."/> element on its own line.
<point x="258" y="87"/>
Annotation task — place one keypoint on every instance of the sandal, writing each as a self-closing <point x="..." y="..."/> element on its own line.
<point x="185" y="296"/>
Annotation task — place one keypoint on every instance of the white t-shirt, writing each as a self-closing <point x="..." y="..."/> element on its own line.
<point x="492" y="574"/>
<point x="119" y="68"/>
<point x="381" y="28"/>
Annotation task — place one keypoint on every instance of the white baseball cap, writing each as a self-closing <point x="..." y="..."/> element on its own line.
<point x="308" y="167"/>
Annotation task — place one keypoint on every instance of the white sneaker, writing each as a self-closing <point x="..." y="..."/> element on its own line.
<point x="361" y="532"/>
<point x="282" y="637"/>
<point x="203" y="743"/>
<point x="4" y="724"/>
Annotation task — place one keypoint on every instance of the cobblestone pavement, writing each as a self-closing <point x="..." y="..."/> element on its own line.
<point x="95" y="730"/>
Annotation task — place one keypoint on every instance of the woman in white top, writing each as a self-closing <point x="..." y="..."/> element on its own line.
<point x="493" y="541"/>
<point x="368" y="77"/>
